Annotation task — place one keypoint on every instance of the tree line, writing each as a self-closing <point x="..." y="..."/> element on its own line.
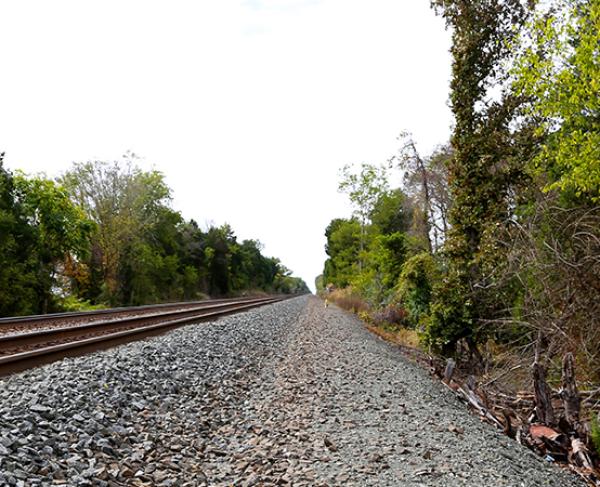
<point x="105" y="234"/>
<point x="495" y="237"/>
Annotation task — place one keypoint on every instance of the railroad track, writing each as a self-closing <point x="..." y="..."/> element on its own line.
<point x="17" y="323"/>
<point x="36" y="340"/>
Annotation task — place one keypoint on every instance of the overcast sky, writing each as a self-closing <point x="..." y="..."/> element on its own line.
<point x="249" y="108"/>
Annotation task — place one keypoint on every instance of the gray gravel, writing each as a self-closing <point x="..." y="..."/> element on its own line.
<point x="288" y="394"/>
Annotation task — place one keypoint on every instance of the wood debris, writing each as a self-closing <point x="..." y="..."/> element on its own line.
<point x="546" y="421"/>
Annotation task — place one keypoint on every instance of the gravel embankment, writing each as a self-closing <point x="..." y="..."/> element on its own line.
<point x="288" y="394"/>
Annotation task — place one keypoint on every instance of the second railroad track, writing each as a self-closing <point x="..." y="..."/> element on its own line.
<point x="33" y="342"/>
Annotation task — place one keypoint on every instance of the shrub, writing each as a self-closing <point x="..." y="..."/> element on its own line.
<point x="390" y="315"/>
<point x="415" y="285"/>
<point x="450" y="317"/>
<point x="72" y="303"/>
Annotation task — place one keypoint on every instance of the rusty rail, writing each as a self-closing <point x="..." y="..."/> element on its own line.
<point x="26" y="350"/>
<point x="50" y="317"/>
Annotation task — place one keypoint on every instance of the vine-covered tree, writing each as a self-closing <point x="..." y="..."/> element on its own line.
<point x="481" y="168"/>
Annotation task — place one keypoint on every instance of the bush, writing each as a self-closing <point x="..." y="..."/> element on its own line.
<point x="450" y="317"/>
<point x="73" y="304"/>
<point x="390" y="315"/>
<point x="415" y="285"/>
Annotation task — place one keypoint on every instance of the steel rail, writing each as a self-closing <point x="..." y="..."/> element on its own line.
<point x="49" y="334"/>
<point x="9" y="320"/>
<point x="31" y="358"/>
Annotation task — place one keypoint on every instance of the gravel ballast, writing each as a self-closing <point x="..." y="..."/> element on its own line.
<point x="287" y="394"/>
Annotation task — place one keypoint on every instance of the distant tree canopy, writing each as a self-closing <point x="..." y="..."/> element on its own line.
<point x="105" y="234"/>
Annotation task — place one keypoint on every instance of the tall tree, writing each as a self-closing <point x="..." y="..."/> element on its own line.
<point x="426" y="183"/>
<point x="364" y="188"/>
<point x="58" y="230"/>
<point x="391" y="213"/>
<point x="127" y="205"/>
<point x="17" y="261"/>
<point x="343" y="248"/>
<point x="482" y="33"/>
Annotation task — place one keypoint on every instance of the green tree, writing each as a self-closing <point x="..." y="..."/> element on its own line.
<point x="343" y="248"/>
<point x="364" y="188"/>
<point x="18" y="293"/>
<point x="252" y="270"/>
<point x="481" y="169"/>
<point x="559" y="75"/>
<point x="320" y="283"/>
<point x="285" y="283"/>
<point x="106" y="233"/>
<point x="219" y="244"/>
<point x="192" y="244"/>
<point x="390" y="212"/>
<point x="134" y="226"/>
<point x="383" y="261"/>
<point x="57" y="229"/>
<point x="415" y="286"/>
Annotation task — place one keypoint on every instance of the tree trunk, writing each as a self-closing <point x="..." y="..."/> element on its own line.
<point x="569" y="392"/>
<point x="543" y="402"/>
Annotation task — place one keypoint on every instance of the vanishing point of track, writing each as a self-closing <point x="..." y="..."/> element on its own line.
<point x="41" y="339"/>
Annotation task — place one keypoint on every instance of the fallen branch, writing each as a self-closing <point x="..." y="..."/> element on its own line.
<point x="503" y="374"/>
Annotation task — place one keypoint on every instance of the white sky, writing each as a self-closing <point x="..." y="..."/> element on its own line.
<point x="250" y="108"/>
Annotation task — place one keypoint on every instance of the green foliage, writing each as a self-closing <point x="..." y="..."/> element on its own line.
<point x="59" y="225"/>
<point x="390" y="213"/>
<point x="595" y="433"/>
<point x="512" y="258"/>
<point x="364" y="188"/>
<point x="483" y="166"/>
<point x="41" y="232"/>
<point x="383" y="260"/>
<point x="369" y="257"/>
<point x="219" y="243"/>
<point x="343" y="248"/>
<point x="320" y="283"/>
<point x="415" y="286"/>
<point x="56" y="229"/>
<point x="72" y="303"/>
<point x="451" y="316"/>
<point x="127" y="205"/>
<point x="559" y="74"/>
<point x="285" y="283"/>
<point x="18" y="289"/>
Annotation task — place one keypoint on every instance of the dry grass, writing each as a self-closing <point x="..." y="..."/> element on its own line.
<point x="401" y="336"/>
<point x="349" y="300"/>
<point x="385" y="322"/>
